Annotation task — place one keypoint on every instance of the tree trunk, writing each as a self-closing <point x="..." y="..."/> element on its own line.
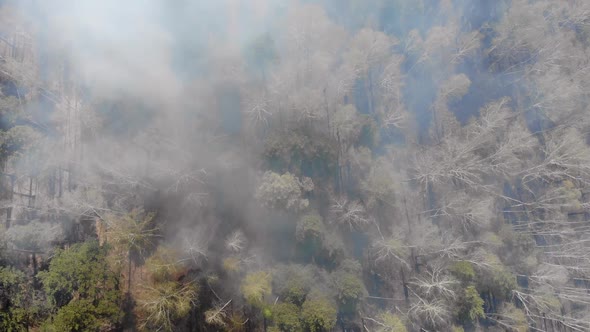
<point x="129" y="273"/>
<point x="327" y="110"/>
<point x="9" y="209"/>
<point x="339" y="161"/>
<point x="410" y="231"/>
<point x="406" y="290"/>
<point x="60" y="175"/>
<point x="30" y="191"/>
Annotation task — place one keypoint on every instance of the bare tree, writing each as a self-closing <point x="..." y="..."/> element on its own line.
<point x="565" y="156"/>
<point x="435" y="285"/>
<point x="468" y="211"/>
<point x="236" y="242"/>
<point x="433" y="313"/>
<point x="349" y="213"/>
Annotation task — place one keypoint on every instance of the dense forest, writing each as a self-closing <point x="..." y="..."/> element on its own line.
<point x="295" y="165"/>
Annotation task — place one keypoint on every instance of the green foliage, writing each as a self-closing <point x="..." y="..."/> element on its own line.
<point x="512" y="316"/>
<point x="551" y="302"/>
<point x="164" y="264"/>
<point x="310" y="226"/>
<point x="518" y="250"/>
<point x="379" y="186"/>
<point x="266" y="312"/>
<point x="351" y="266"/>
<point x="293" y="282"/>
<point x="369" y="133"/>
<point x="349" y="287"/>
<point x="286" y="317"/>
<point x="81" y="316"/>
<point x="163" y="300"/>
<point x="318" y="315"/>
<point x="471" y="307"/>
<point x="17" y="139"/>
<point x="310" y="235"/>
<point x="332" y="250"/>
<point x="518" y="242"/>
<point x="496" y="279"/>
<point x="17" y="305"/>
<point x="463" y="270"/>
<point x="9" y="109"/>
<point x="391" y="248"/>
<point x="283" y="192"/>
<point x="132" y="233"/>
<point x="492" y="239"/>
<point x="295" y="290"/>
<point x="13" y="283"/>
<point x="313" y="154"/>
<point x="231" y="264"/>
<point x="256" y="286"/>
<point x="162" y="303"/>
<point x="390" y="323"/>
<point x="348" y="124"/>
<point x="15" y="319"/>
<point x="82" y="289"/>
<point x="503" y="283"/>
<point x="572" y="196"/>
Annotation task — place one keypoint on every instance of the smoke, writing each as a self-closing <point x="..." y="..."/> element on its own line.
<point x="139" y="49"/>
<point x="163" y="103"/>
<point x="157" y="114"/>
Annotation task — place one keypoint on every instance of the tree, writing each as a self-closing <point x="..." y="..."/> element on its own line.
<point x="236" y="242"/>
<point x="471" y="305"/>
<point x="20" y="305"/>
<point x="369" y="50"/>
<point x="436" y="285"/>
<point x="463" y="270"/>
<point x="217" y="316"/>
<point x="132" y="234"/>
<point x="18" y="140"/>
<point x="433" y="313"/>
<point x="255" y="287"/>
<point x="162" y="304"/>
<point x="379" y="186"/>
<point x="513" y="318"/>
<point x="495" y="280"/>
<point x="304" y="82"/>
<point x="565" y="157"/>
<point x="465" y="212"/>
<point x="83" y="291"/>
<point x="350" y="290"/>
<point x="318" y="314"/>
<point x="34" y="236"/>
<point x="283" y="191"/>
<point x="350" y="214"/>
<point x="293" y="282"/>
<point x="311" y="234"/>
<point x="165" y="298"/>
<point x="389" y="322"/>
<point x="165" y="264"/>
<point x="445" y="122"/>
<point x="287" y="317"/>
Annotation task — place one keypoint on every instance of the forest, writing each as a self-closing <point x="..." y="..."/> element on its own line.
<point x="295" y="165"/>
